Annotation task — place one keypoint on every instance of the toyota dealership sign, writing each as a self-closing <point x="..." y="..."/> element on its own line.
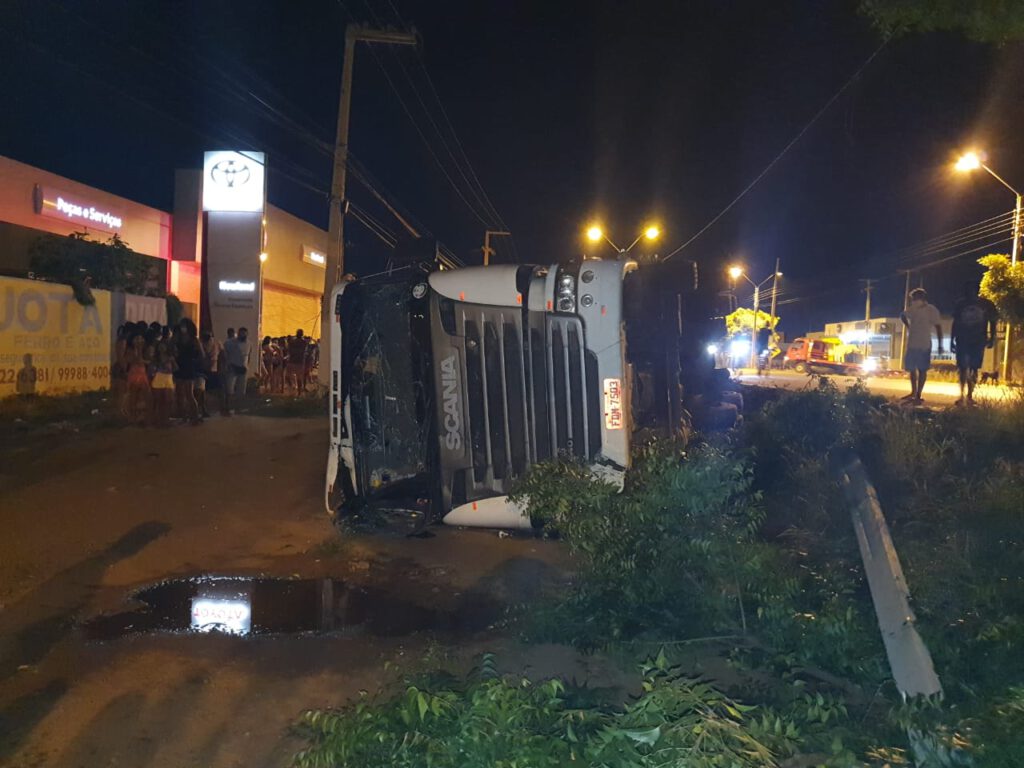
<point x="234" y="181"/>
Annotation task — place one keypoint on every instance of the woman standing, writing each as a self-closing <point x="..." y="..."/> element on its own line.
<point x="189" y="356"/>
<point x="163" y="383"/>
<point x="137" y="394"/>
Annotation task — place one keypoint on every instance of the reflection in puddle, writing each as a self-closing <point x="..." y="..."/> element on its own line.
<point x="242" y="606"/>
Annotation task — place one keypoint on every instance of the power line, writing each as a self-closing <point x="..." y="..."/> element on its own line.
<point x="426" y="141"/>
<point x="958" y="238"/>
<point x="472" y="172"/>
<point x="920" y="268"/>
<point x="364" y="218"/>
<point x="785" y="150"/>
<point x="1004" y="225"/>
<point x="472" y="181"/>
<point x="477" y="191"/>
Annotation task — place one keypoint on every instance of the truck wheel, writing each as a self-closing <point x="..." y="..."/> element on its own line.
<point x="800" y="367"/>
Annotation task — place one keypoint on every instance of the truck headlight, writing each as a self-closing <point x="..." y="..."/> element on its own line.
<point x="566" y="293"/>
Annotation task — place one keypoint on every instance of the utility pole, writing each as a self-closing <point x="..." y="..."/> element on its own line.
<point x="1005" y="374"/>
<point x="771" y="314"/>
<point x="869" y="285"/>
<point x="775" y="289"/>
<point x="354" y="33"/>
<point x="488" y="251"/>
<point x="753" y="333"/>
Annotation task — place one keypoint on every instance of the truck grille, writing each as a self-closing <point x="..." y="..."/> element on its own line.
<point x="531" y="395"/>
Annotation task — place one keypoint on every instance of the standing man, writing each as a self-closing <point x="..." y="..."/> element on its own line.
<point x="919" y="319"/>
<point x="236" y="361"/>
<point x="974" y="328"/>
<point x="295" y="372"/>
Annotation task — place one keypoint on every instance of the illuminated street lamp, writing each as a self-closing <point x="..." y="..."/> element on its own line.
<point x="736" y="272"/>
<point x="972" y="161"/>
<point x="595" y="234"/>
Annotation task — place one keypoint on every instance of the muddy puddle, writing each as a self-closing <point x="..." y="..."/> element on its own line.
<point x="242" y="606"/>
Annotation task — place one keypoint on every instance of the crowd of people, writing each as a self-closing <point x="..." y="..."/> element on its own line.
<point x="161" y="372"/>
<point x="287" y="363"/>
<point x="164" y="371"/>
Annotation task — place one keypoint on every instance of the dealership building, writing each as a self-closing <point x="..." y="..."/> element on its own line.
<point x="229" y="257"/>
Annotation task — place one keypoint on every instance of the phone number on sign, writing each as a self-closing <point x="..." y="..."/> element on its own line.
<point x="58" y="374"/>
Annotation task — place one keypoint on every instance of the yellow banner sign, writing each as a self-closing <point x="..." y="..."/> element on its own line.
<point x="49" y="343"/>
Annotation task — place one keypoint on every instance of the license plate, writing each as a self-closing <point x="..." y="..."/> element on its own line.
<point x="221" y="615"/>
<point x="613" y="403"/>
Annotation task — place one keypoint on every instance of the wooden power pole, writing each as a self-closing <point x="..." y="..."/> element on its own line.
<point x="488" y="251"/>
<point x="869" y="286"/>
<point x="354" y="33"/>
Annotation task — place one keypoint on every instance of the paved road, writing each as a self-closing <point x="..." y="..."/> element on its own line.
<point x="935" y="392"/>
<point x="88" y="518"/>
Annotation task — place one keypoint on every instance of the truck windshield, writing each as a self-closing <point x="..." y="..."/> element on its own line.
<point x="384" y="365"/>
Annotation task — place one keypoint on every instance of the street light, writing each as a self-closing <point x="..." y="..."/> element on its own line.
<point x="972" y="161"/>
<point x="735" y="272"/>
<point x="595" y="234"/>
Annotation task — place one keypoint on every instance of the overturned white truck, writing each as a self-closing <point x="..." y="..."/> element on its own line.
<point x="446" y="385"/>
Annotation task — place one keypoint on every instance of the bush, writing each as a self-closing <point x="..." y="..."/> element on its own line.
<point x="665" y="555"/>
<point x="680" y="554"/>
<point x="485" y="721"/>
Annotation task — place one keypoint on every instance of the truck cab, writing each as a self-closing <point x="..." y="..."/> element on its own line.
<point x="447" y="385"/>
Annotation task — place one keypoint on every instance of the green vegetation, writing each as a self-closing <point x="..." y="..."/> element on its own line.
<point x="111" y="265"/>
<point x="747" y="541"/>
<point x="485" y="721"/>
<point x="987" y="21"/>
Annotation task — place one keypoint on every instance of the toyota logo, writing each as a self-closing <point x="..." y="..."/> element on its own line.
<point x="230" y="173"/>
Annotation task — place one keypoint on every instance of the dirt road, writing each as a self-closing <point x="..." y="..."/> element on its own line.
<point x="89" y="518"/>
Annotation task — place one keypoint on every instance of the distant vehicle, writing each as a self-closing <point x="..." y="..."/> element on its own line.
<point x="825" y="355"/>
<point x="447" y="385"/>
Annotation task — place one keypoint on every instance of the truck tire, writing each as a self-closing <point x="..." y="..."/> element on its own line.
<point x="800" y="367"/>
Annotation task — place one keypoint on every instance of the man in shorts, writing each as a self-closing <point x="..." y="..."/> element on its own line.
<point x="918" y="320"/>
<point x="974" y="328"/>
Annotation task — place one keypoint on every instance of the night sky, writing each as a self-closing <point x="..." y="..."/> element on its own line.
<point x="566" y="110"/>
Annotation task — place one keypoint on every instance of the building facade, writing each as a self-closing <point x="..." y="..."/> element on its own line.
<point x="281" y="255"/>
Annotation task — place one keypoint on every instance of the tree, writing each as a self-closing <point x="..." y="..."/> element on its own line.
<point x="77" y="261"/>
<point x="985" y="21"/>
<point x="742" y="321"/>
<point x="1003" y="285"/>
